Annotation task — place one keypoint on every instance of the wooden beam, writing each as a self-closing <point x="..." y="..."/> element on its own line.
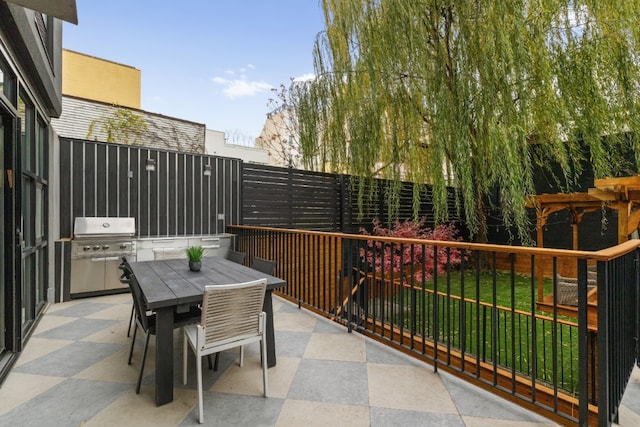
<point x="604" y="196"/>
<point x="609" y="184"/>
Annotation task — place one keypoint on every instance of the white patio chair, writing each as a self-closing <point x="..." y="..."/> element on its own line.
<point x="232" y="316"/>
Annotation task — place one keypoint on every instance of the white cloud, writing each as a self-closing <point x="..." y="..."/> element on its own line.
<point x="238" y="88"/>
<point x="241" y="87"/>
<point x="304" y="77"/>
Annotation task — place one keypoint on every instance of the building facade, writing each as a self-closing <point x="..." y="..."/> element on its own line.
<point x="216" y="145"/>
<point x="280" y="139"/>
<point x="30" y="95"/>
<point x="84" y="118"/>
<point x="99" y="79"/>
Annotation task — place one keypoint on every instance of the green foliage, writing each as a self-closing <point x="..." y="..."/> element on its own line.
<point x="195" y="253"/>
<point x="123" y="126"/>
<point x="486" y="329"/>
<point x="473" y="94"/>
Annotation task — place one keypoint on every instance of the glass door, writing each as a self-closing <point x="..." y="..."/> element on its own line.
<point x="4" y="130"/>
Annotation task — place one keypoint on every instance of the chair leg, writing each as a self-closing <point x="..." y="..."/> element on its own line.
<point x="213" y="365"/>
<point x="185" y="349"/>
<point x="144" y="358"/>
<point x="133" y="342"/>
<point x="241" y="355"/>
<point x="130" y="321"/>
<point x="263" y="351"/>
<point x="199" y="372"/>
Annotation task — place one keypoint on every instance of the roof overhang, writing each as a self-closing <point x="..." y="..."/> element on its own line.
<point x="61" y="9"/>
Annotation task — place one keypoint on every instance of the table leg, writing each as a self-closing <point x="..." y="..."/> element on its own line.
<point x="271" y="340"/>
<point x="164" y="356"/>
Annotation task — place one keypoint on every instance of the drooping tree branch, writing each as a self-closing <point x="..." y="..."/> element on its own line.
<point x="491" y="88"/>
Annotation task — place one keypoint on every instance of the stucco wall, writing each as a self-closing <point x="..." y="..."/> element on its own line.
<point x="89" y="77"/>
<point x="215" y="144"/>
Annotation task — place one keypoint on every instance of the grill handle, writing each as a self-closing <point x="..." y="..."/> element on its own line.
<point x="103" y="259"/>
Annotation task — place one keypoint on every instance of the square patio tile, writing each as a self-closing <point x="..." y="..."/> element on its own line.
<point x="77" y="329"/>
<point x="69" y="403"/>
<point x="69" y="360"/>
<point x="331" y="382"/>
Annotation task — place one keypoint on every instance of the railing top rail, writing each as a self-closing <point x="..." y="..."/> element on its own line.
<point x="601" y="255"/>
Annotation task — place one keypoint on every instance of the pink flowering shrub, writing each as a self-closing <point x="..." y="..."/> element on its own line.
<point x="388" y="256"/>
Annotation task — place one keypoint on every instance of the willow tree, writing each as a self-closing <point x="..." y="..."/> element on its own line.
<point x="473" y="94"/>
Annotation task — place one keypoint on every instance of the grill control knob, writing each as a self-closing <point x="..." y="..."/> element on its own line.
<point x="96" y="248"/>
<point x="123" y="246"/>
<point x="105" y="247"/>
<point x="86" y="248"/>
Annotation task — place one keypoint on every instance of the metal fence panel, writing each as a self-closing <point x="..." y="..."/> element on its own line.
<point x="177" y="198"/>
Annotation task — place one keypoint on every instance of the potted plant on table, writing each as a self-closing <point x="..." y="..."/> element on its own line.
<point x="195" y="254"/>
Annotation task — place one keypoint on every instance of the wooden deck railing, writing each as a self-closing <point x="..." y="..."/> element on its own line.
<point x="493" y="319"/>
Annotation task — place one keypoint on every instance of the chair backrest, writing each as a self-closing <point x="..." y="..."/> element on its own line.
<point x="138" y="302"/>
<point x="266" y="266"/>
<point x="236" y="256"/>
<point x="231" y="312"/>
<point x="127" y="272"/>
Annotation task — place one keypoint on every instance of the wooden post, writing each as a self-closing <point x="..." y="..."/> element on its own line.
<point x="623" y="221"/>
<point x="542" y="219"/>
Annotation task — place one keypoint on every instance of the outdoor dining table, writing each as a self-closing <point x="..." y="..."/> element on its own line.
<point x="169" y="287"/>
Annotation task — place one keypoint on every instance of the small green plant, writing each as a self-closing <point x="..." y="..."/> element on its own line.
<point x="195" y="253"/>
<point x="123" y="126"/>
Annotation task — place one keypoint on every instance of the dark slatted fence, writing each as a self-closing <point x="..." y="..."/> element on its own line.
<point x="297" y="199"/>
<point x="290" y="198"/>
<point x="177" y="198"/>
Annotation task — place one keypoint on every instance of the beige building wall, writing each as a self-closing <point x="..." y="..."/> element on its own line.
<point x="97" y="79"/>
<point x="216" y="145"/>
<point x="280" y="140"/>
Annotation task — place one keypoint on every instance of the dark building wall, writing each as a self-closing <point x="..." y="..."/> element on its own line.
<point x="38" y="53"/>
<point x="30" y="58"/>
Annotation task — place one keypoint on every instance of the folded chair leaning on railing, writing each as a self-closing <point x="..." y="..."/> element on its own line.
<point x="232" y="316"/>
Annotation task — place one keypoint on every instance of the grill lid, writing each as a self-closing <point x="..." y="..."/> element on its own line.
<point x="92" y="227"/>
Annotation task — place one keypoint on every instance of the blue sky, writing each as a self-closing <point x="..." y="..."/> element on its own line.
<point x="207" y="61"/>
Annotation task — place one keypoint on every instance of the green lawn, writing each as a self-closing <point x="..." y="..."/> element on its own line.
<point x="502" y="333"/>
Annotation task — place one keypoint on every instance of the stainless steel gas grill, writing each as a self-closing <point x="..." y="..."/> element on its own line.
<point x="97" y="247"/>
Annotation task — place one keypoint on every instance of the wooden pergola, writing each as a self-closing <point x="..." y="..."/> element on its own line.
<point x="621" y="194"/>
